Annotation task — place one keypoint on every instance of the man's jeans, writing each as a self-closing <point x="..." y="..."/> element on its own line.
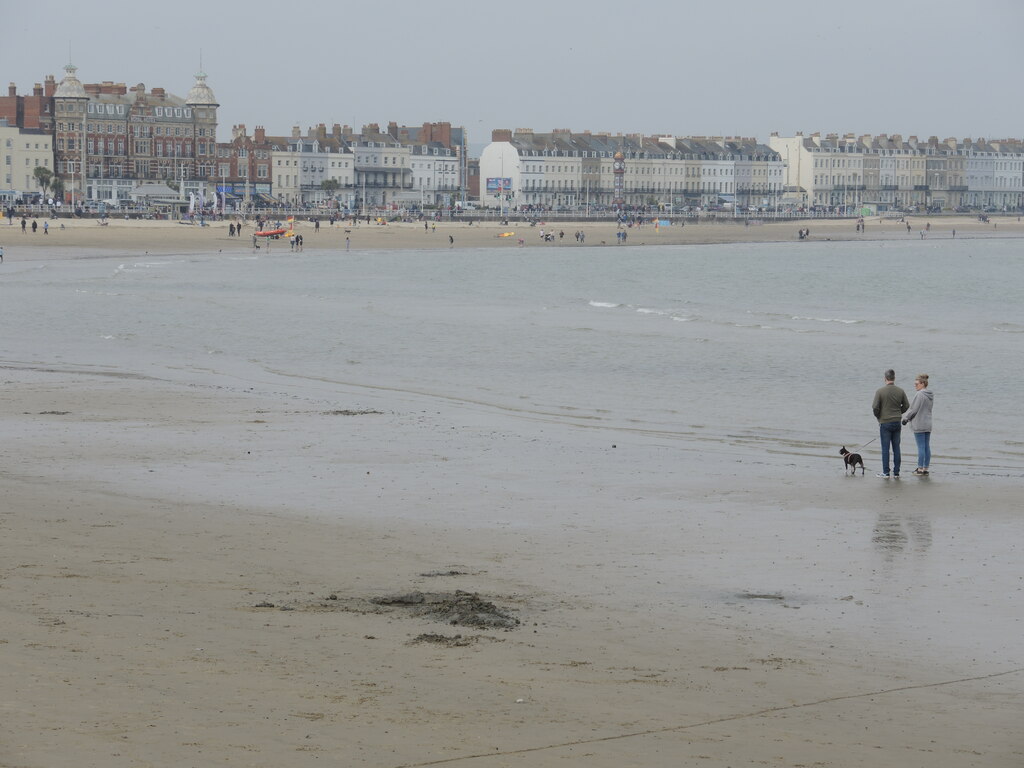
<point x="889" y="432"/>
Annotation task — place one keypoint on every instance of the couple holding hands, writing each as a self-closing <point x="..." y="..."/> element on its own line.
<point x="893" y="411"/>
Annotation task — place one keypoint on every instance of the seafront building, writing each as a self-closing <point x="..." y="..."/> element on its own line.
<point x="400" y="167"/>
<point x="111" y="143"/>
<point x="22" y="151"/>
<point x="877" y="173"/>
<point x="108" y="142"/>
<point x="108" y="137"/>
<point x="563" y="169"/>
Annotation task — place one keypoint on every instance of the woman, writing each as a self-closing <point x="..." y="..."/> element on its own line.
<point x="919" y="416"/>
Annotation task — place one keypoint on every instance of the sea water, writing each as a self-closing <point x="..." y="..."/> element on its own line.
<point x="670" y="415"/>
<point x="742" y="347"/>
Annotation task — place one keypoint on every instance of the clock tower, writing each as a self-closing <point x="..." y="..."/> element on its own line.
<point x="619" y="180"/>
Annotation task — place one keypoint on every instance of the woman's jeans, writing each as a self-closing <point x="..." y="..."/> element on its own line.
<point x="889" y="433"/>
<point x="924" y="448"/>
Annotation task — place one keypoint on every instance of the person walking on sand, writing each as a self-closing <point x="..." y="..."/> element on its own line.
<point x="919" y="417"/>
<point x="889" y="405"/>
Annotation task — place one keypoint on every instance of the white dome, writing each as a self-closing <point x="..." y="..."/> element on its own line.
<point x="70" y="87"/>
<point x="201" y="92"/>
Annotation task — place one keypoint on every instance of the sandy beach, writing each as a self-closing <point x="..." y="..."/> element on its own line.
<point x="153" y="612"/>
<point x="84" y="235"/>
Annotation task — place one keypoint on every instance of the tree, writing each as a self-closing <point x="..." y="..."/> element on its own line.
<point x="44" y="176"/>
<point x="57" y="185"/>
<point x="330" y="186"/>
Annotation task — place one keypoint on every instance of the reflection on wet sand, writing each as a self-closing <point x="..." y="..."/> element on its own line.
<point x="897" y="533"/>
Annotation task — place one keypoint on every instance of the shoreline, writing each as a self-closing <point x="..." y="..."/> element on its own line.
<point x="146" y="622"/>
<point x="231" y="569"/>
<point x="173" y="237"/>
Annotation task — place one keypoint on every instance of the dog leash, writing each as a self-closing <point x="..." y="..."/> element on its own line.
<point x="869" y="442"/>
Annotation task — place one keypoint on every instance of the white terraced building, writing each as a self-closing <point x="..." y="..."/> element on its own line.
<point x="850" y="173"/>
<point x="570" y="170"/>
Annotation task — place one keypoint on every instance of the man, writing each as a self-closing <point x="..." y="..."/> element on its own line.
<point x="889" y="405"/>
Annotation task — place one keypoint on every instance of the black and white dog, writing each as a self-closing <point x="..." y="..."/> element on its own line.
<point x="851" y="460"/>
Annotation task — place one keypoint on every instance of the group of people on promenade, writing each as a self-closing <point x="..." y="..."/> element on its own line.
<point x="893" y="411"/>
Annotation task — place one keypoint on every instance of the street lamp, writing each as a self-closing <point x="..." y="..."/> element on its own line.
<point x="224" y="191"/>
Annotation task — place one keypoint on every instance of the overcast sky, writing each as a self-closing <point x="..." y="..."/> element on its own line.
<point x="735" y="68"/>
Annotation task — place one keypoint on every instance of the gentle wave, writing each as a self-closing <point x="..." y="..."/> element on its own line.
<point x="642" y="310"/>
<point x="1008" y="328"/>
<point x="828" y="320"/>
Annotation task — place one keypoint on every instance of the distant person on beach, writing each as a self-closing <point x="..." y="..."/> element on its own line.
<point x="1" y="254"/>
<point x="889" y="405"/>
<point x="919" y="417"/>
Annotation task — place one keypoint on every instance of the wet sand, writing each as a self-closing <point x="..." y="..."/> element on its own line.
<point x="156" y="608"/>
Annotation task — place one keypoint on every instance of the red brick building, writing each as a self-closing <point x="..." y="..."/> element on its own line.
<point x="108" y="137"/>
<point x="34" y="112"/>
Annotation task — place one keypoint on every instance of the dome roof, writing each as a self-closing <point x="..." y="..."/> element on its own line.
<point x="201" y="92"/>
<point x="70" y="87"/>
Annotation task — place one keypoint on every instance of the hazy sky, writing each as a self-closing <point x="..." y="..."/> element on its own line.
<point x="736" y="68"/>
